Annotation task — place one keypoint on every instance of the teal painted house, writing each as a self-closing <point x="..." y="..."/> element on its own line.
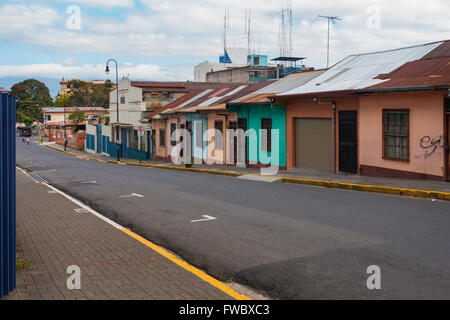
<point x="257" y="112"/>
<point x="259" y="116"/>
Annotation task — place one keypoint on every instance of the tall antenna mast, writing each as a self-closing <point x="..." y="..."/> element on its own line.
<point x="249" y="33"/>
<point x="332" y="19"/>
<point x="285" y="44"/>
<point x="290" y="28"/>
<point x="226" y="25"/>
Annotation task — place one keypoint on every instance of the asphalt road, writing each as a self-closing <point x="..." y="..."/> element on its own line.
<point x="289" y="241"/>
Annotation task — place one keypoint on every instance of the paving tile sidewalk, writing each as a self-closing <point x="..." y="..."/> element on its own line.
<point x="303" y="173"/>
<point x="51" y="235"/>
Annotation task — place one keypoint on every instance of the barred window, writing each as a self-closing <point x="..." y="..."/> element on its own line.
<point x="218" y="145"/>
<point x="396" y="134"/>
<point x="162" y="138"/>
<point x="173" y="127"/>
<point x="134" y="140"/>
<point x="266" y="124"/>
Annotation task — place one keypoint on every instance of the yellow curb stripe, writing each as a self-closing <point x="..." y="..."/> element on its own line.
<point x="439" y="195"/>
<point x="202" y="275"/>
<point x="369" y="188"/>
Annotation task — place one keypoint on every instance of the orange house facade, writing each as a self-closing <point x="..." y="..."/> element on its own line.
<point x="388" y="120"/>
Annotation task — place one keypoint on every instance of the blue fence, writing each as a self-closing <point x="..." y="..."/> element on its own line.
<point x="7" y="194"/>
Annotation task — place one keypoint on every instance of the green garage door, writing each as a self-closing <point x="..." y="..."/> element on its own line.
<point x="313" y="147"/>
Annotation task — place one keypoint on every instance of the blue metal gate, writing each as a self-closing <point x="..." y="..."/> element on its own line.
<point x="99" y="138"/>
<point x="7" y="193"/>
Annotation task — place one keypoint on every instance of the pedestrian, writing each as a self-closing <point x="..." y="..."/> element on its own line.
<point x="23" y="138"/>
<point x="28" y="140"/>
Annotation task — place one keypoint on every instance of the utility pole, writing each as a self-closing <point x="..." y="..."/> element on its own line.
<point x="330" y="19"/>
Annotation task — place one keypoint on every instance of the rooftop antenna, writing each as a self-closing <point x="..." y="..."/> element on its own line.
<point x="226" y="26"/>
<point x="290" y="28"/>
<point x="249" y="33"/>
<point x="286" y="45"/>
<point x="332" y="19"/>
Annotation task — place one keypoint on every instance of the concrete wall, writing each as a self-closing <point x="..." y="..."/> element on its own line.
<point x="219" y="156"/>
<point x="131" y="112"/>
<point x="161" y="152"/>
<point x="201" y="70"/>
<point x="426" y="119"/>
<point x="238" y="75"/>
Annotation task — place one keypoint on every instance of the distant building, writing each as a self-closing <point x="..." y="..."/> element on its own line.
<point x="66" y="85"/>
<point x="242" y="74"/>
<point x="202" y="69"/>
<point x="231" y="58"/>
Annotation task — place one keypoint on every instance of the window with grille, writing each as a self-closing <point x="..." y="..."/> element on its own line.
<point x="173" y="127"/>
<point x="122" y="100"/>
<point x="162" y="138"/>
<point x="134" y="140"/>
<point x="218" y="145"/>
<point x="396" y="134"/>
<point x="199" y="134"/>
<point x="266" y="144"/>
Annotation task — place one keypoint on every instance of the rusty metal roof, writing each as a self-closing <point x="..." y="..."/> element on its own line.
<point x="174" y="103"/>
<point x="159" y="84"/>
<point x="363" y="71"/>
<point x="421" y="73"/>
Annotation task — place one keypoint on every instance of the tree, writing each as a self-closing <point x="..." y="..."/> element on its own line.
<point x="27" y="121"/>
<point x="64" y="100"/>
<point x="77" y="117"/>
<point x="90" y="95"/>
<point x="31" y="96"/>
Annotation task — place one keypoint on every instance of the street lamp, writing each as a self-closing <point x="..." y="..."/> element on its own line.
<point x="117" y="91"/>
<point x="65" y="133"/>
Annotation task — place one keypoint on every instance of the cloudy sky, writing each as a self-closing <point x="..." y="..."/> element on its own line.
<point x="165" y="39"/>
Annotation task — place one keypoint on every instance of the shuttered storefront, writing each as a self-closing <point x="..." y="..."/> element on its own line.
<point x="313" y="144"/>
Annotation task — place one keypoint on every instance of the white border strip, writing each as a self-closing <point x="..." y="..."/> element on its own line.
<point x="79" y="203"/>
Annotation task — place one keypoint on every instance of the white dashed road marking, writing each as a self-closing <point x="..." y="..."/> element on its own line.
<point x="207" y="218"/>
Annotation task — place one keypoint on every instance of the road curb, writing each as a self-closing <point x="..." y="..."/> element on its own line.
<point x="425" y="194"/>
<point x="156" y="248"/>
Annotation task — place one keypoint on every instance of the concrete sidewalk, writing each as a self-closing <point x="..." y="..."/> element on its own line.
<point x="296" y="173"/>
<point x="54" y="233"/>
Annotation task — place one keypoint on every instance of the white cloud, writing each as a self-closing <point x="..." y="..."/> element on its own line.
<point x="105" y="3"/>
<point x="82" y="71"/>
<point x="192" y="30"/>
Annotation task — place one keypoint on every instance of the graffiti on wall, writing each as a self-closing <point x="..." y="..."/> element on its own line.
<point x="430" y="145"/>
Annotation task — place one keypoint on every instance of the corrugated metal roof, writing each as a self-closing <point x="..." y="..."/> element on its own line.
<point x="361" y="71"/>
<point x="428" y="73"/>
<point x="218" y="102"/>
<point x="158" y="84"/>
<point x="174" y="103"/>
<point x="59" y="110"/>
<point x="440" y="52"/>
<point x="190" y="101"/>
<point x="279" y="86"/>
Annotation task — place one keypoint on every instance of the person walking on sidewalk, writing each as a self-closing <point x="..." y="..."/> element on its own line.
<point x="23" y="138"/>
<point x="28" y="141"/>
